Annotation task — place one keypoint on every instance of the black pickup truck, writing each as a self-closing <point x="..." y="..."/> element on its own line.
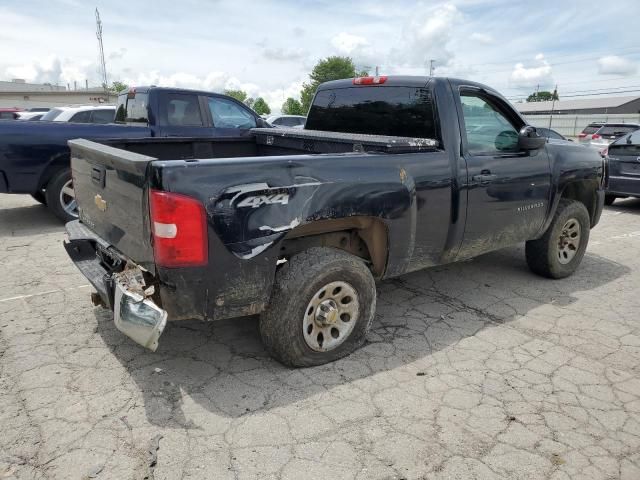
<point x="34" y="156"/>
<point x="390" y="175"/>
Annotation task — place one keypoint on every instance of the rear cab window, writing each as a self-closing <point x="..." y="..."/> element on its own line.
<point x="400" y="111"/>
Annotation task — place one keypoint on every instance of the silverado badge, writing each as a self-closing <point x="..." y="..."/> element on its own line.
<point x="100" y="203"/>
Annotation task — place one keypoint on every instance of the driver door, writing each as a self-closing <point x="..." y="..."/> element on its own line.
<point x="508" y="189"/>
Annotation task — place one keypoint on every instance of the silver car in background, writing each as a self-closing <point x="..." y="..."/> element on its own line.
<point x="287" y="121"/>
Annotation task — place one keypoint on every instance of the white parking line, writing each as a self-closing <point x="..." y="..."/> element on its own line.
<point x="2" y="300"/>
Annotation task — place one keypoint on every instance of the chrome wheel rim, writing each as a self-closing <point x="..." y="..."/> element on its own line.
<point x="569" y="241"/>
<point x="68" y="199"/>
<point x="330" y="316"/>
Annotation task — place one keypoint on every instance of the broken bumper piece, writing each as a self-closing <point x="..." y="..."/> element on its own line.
<point x="137" y="317"/>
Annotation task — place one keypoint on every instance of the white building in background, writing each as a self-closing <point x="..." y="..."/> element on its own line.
<point x="20" y="94"/>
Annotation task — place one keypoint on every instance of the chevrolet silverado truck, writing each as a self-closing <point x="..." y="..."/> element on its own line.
<point x="390" y="175"/>
<point x="34" y="156"/>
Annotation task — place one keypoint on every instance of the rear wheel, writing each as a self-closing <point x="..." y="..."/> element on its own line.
<point x="61" y="197"/>
<point x="609" y="199"/>
<point x="321" y="308"/>
<point x="559" y="251"/>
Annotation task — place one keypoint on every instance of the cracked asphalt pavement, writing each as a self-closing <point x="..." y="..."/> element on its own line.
<point x="477" y="370"/>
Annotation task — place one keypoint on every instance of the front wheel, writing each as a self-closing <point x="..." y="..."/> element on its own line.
<point x="558" y="253"/>
<point x="321" y="308"/>
<point x="60" y="196"/>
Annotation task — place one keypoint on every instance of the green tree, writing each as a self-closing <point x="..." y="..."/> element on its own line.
<point x="239" y="95"/>
<point x="291" y="106"/>
<point x="261" y="107"/>
<point x="117" y="87"/>
<point x="330" y="68"/>
<point x="249" y="102"/>
<point x="543" y="96"/>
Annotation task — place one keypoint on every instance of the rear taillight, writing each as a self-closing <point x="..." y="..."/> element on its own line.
<point x="595" y="136"/>
<point x="179" y="228"/>
<point x="370" y="80"/>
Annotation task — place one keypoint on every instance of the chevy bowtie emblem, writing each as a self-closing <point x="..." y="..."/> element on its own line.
<point x="100" y="203"/>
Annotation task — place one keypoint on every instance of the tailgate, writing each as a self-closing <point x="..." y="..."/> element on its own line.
<point x="110" y="188"/>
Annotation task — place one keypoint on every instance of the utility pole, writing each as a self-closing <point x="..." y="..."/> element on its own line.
<point x="553" y="104"/>
<point x="377" y="71"/>
<point x="103" y="65"/>
<point x="431" y="62"/>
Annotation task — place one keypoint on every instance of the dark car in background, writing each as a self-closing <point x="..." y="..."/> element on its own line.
<point x="624" y="168"/>
<point x="552" y="136"/>
<point x="610" y="132"/>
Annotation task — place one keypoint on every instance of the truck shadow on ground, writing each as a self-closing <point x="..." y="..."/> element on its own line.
<point x="629" y="205"/>
<point x="27" y="220"/>
<point x="221" y="370"/>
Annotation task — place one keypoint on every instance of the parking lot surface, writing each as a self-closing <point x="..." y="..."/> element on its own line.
<point x="472" y="370"/>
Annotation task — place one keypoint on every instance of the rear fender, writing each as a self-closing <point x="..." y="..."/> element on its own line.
<point x="56" y="163"/>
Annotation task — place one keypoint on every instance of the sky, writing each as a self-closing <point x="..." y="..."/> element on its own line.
<point x="268" y="47"/>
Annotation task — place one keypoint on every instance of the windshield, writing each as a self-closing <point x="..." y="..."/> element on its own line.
<point x="52" y="114"/>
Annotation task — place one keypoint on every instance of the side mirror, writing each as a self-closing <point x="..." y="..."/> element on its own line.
<point x="529" y="139"/>
<point x="262" y="123"/>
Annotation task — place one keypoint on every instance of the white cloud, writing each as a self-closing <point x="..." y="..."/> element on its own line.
<point x="614" y="65"/>
<point x="54" y="70"/>
<point x="284" y="54"/>
<point x="483" y="38"/>
<point x="427" y="34"/>
<point x="275" y="98"/>
<point x="347" y="43"/>
<point x="522" y="76"/>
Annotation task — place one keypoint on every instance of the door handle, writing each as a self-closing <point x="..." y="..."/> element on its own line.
<point x="484" y="177"/>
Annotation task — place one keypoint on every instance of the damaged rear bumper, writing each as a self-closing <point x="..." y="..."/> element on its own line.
<point x="120" y="287"/>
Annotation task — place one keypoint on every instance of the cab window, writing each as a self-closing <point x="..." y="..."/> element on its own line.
<point x="81" y="117"/>
<point x="487" y="129"/>
<point x="102" y="116"/>
<point x="183" y="110"/>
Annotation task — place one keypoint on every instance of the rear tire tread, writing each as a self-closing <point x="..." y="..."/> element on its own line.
<point x="281" y="322"/>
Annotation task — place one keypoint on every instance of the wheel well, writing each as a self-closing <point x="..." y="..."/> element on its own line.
<point x="59" y="162"/>
<point x="583" y="191"/>
<point x="365" y="237"/>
